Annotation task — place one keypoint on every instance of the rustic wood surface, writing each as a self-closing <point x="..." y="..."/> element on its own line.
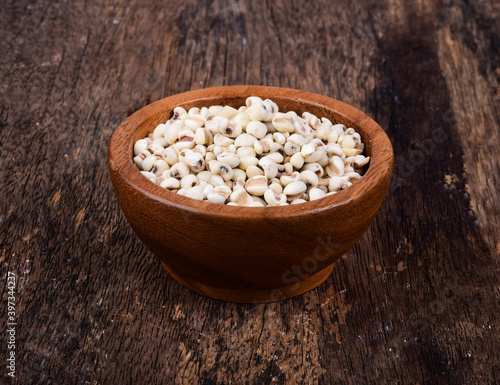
<point x="415" y="301"/>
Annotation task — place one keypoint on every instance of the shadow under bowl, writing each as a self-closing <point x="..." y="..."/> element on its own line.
<point x="248" y="254"/>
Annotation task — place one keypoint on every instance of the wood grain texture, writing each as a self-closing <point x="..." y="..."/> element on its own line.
<point x="417" y="298"/>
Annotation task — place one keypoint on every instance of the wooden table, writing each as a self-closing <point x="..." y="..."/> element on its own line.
<point x="415" y="301"/>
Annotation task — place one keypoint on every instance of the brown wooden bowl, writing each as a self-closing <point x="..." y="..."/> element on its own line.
<point x="248" y="254"/>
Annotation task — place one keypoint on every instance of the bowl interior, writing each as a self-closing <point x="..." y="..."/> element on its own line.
<point x="144" y="121"/>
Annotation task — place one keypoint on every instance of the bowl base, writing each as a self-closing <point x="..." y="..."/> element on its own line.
<point x="254" y="295"/>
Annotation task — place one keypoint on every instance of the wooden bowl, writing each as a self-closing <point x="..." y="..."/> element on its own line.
<point x="248" y="254"/>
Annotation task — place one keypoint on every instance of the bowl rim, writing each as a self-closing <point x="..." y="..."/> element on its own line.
<point x="121" y="163"/>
